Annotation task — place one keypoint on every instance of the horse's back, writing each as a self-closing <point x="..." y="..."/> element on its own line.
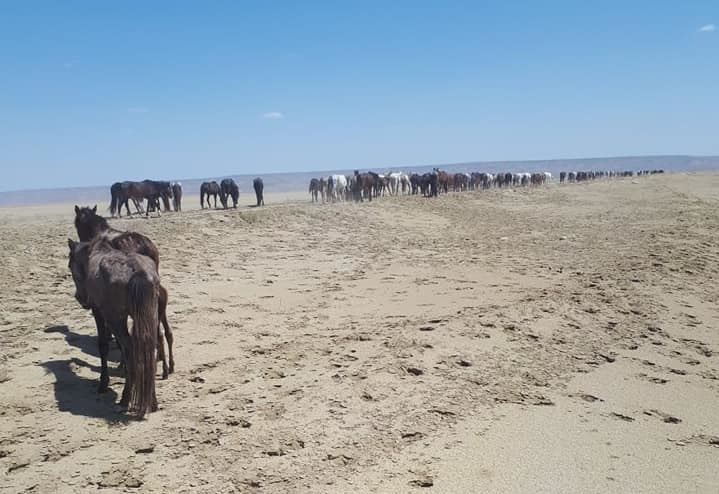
<point x="133" y="243"/>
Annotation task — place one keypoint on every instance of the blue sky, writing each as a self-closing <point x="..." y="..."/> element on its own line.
<point x="92" y="92"/>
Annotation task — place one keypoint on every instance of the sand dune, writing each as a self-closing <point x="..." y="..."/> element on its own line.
<point x="561" y="339"/>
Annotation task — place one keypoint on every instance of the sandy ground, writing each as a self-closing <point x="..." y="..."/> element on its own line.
<point x="554" y="340"/>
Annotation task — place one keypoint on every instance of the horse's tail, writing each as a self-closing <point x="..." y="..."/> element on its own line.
<point x="143" y="308"/>
<point x="114" y="200"/>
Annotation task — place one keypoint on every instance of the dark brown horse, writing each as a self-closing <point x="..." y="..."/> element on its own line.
<point x="209" y="189"/>
<point x="177" y="196"/>
<point x="259" y="187"/>
<point x="443" y="180"/>
<point x="90" y="225"/>
<point x="228" y="188"/>
<point x="116" y="285"/>
<point x="315" y="189"/>
<point x="366" y="185"/>
<point x="152" y="190"/>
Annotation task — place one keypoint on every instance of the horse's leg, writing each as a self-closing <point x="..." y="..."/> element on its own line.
<point x="119" y="329"/>
<point x="161" y="309"/>
<point x="168" y="332"/>
<point x="103" y="344"/>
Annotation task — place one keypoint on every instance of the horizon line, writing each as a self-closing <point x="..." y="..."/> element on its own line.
<point x="398" y="167"/>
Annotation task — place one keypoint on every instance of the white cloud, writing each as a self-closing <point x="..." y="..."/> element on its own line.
<point x="137" y="109"/>
<point x="708" y="28"/>
<point x="273" y="115"/>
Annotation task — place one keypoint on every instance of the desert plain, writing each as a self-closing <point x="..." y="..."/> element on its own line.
<point x="550" y="339"/>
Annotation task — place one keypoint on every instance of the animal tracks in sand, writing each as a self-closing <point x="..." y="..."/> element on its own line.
<point x="317" y="349"/>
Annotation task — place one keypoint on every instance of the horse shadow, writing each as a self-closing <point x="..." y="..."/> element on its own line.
<point x="86" y="343"/>
<point x="78" y="395"/>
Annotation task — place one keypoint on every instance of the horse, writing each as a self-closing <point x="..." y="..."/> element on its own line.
<point x="177" y="196"/>
<point x="116" y="285"/>
<point x="323" y="188"/>
<point x="415" y="181"/>
<point x="460" y="182"/>
<point x="259" y="187"/>
<point x="122" y="192"/>
<point x="315" y="190"/>
<point x="405" y="183"/>
<point x="442" y="180"/>
<point x="363" y="184"/>
<point x="90" y="225"/>
<point x="337" y="185"/>
<point x="228" y="187"/>
<point x="351" y="185"/>
<point x="209" y="189"/>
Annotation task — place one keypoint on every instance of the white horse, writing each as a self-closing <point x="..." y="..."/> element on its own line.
<point x="395" y="178"/>
<point x="405" y="182"/>
<point x="339" y="187"/>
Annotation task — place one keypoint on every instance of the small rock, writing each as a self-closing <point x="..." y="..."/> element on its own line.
<point x="464" y="363"/>
<point x="415" y="371"/>
<point x="145" y="449"/>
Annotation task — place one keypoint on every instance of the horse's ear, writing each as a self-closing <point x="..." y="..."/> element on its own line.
<point x="94" y="209"/>
<point x="71" y="243"/>
<point x="77" y="209"/>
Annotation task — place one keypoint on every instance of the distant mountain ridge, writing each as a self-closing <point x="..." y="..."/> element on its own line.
<point x="298" y="181"/>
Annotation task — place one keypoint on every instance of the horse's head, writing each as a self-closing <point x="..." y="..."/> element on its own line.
<point x="79" y="257"/>
<point x="87" y="222"/>
<point x="85" y="213"/>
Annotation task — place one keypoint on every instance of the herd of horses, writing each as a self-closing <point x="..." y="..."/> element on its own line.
<point x="116" y="273"/>
<point x="365" y="186"/>
<point x="228" y="189"/>
<point x="155" y="191"/>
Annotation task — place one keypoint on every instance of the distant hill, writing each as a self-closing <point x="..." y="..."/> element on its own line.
<point x="298" y="181"/>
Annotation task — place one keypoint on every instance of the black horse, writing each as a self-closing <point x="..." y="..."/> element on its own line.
<point x="177" y="196"/>
<point x="228" y="187"/>
<point x="259" y="187"/>
<point x="315" y="189"/>
<point x="209" y="189"/>
<point x="152" y="190"/>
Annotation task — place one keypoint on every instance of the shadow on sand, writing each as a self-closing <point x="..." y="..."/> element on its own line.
<point x="76" y="394"/>
<point x="86" y="343"/>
